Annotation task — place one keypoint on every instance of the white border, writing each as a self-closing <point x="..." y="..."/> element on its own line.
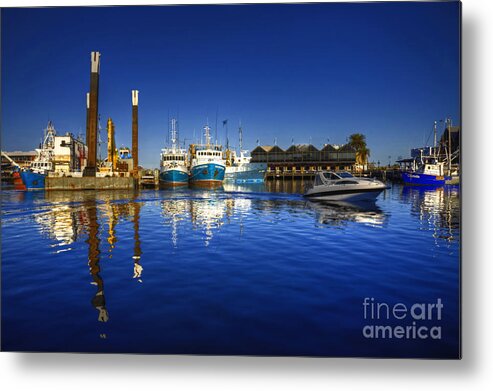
<point x="90" y="371"/>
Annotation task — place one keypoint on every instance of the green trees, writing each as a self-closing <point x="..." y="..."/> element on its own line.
<point x="358" y="142"/>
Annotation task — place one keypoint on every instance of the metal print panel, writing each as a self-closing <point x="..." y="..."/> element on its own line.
<point x="272" y="179"/>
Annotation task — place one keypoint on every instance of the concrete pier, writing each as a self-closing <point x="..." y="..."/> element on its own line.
<point x="89" y="183"/>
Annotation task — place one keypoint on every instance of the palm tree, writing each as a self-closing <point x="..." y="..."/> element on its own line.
<point x="358" y="142"/>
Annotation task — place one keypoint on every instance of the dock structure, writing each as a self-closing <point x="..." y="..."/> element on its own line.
<point x="89" y="183"/>
<point x="303" y="160"/>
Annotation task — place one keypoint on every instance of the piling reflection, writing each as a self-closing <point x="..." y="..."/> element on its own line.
<point x="68" y="216"/>
<point x="93" y="241"/>
<point x="137" y="250"/>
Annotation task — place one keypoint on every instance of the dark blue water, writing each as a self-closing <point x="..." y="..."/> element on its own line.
<point x="243" y="270"/>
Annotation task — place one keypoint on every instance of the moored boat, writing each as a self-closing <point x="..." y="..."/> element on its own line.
<point x="207" y="165"/>
<point x="173" y="170"/>
<point x="16" y="176"/>
<point x="426" y="168"/>
<point x="34" y="177"/>
<point x="342" y="186"/>
<point x="427" y="174"/>
<point x="425" y="171"/>
<point x="239" y="169"/>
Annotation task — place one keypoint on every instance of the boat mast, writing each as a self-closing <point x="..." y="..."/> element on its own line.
<point x="50" y="133"/>
<point x="449" y="125"/>
<point x="173" y="133"/>
<point x="207" y="136"/>
<point x="435" y="139"/>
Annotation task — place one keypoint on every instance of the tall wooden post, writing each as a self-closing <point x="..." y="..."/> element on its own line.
<point x="92" y="126"/>
<point x="135" y="132"/>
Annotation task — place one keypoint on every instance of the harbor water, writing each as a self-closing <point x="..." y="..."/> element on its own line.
<point x="245" y="269"/>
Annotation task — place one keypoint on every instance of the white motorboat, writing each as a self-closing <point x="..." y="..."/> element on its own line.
<point x="342" y="186"/>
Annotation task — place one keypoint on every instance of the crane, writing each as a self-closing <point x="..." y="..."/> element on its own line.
<point x="10" y="160"/>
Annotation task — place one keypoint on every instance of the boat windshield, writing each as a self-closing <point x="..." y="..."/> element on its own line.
<point x="331" y="176"/>
<point x="345" y="175"/>
<point x="318" y="181"/>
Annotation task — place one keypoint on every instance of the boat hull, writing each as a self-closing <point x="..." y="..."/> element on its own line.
<point x="252" y="173"/>
<point x="18" y="182"/>
<point x="417" y="179"/>
<point x="173" y="178"/>
<point x="209" y="174"/>
<point x="33" y="180"/>
<point x="454" y="180"/>
<point x="356" y="195"/>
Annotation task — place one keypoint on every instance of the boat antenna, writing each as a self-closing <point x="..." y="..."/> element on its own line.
<point x="177" y="124"/>
<point x="169" y="130"/>
<point x="217" y="114"/>
<point x="240" y="136"/>
<point x="225" y="124"/>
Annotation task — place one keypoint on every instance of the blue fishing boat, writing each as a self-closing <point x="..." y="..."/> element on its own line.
<point x="33" y="180"/>
<point x="427" y="174"/>
<point x="173" y="170"/>
<point x="207" y="163"/>
<point x="425" y="169"/>
<point x="34" y="176"/>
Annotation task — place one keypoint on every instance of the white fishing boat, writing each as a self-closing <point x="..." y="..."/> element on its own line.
<point x="207" y="164"/>
<point x="239" y="168"/>
<point x="342" y="186"/>
<point x="174" y="169"/>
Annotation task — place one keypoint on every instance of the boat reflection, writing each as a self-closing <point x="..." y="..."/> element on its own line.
<point x="207" y="211"/>
<point x="437" y="208"/>
<point x="341" y="213"/>
<point x="245" y="187"/>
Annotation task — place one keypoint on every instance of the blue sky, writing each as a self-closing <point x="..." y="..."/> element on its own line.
<point x="311" y="72"/>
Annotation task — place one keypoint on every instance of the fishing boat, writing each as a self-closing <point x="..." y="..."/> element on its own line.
<point x="34" y="176"/>
<point x="426" y="168"/>
<point x="429" y="172"/>
<point x="173" y="166"/>
<point x="239" y="169"/>
<point x="342" y="186"/>
<point x="207" y="166"/>
<point x="16" y="170"/>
